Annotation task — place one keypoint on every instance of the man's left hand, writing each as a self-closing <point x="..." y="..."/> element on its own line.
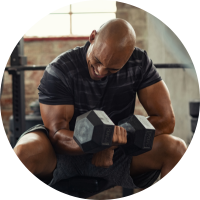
<point x="104" y="158"/>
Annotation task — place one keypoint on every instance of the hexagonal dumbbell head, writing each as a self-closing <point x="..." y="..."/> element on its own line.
<point x="140" y="134"/>
<point x="93" y="131"/>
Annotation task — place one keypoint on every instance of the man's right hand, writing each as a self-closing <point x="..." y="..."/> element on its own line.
<point x="119" y="136"/>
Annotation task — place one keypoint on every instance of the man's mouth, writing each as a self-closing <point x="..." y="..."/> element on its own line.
<point x="95" y="72"/>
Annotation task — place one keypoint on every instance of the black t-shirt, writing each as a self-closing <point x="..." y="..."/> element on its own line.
<point x="66" y="81"/>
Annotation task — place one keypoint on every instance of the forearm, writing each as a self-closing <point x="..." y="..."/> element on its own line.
<point x="64" y="143"/>
<point x="162" y="124"/>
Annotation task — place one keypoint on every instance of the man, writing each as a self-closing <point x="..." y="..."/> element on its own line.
<point x="105" y="74"/>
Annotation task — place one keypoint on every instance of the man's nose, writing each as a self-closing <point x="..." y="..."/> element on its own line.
<point x="101" y="70"/>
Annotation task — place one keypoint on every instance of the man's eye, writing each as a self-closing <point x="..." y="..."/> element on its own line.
<point x="97" y="61"/>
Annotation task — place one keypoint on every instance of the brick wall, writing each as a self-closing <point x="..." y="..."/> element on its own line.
<point x="38" y="53"/>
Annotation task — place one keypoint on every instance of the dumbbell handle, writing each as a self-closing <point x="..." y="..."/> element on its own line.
<point x="130" y="131"/>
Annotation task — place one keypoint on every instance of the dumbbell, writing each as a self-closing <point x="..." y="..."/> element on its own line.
<point x="94" y="132"/>
<point x="140" y="135"/>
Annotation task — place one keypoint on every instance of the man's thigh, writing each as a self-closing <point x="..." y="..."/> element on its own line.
<point x="36" y="152"/>
<point x="166" y="152"/>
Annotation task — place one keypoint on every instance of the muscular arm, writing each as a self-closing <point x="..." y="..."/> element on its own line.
<point x="156" y="101"/>
<point x="56" y="119"/>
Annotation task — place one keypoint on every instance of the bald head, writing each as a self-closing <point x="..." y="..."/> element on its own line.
<point x="118" y="33"/>
<point x="110" y="48"/>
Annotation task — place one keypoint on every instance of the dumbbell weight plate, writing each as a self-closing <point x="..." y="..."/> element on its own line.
<point x="140" y="135"/>
<point x="93" y="131"/>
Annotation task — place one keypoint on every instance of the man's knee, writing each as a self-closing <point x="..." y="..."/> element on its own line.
<point x="20" y="151"/>
<point x="35" y="152"/>
<point x="171" y="146"/>
<point x="25" y="153"/>
<point x="181" y="146"/>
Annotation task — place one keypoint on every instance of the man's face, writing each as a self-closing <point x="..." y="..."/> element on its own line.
<point x="103" y="59"/>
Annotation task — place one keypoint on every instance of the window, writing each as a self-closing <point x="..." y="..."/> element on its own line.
<point x="78" y="19"/>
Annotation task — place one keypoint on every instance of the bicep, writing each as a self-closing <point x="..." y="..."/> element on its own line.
<point x="56" y="117"/>
<point x="156" y="100"/>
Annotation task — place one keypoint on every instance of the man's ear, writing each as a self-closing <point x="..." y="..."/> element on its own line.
<point x="92" y="36"/>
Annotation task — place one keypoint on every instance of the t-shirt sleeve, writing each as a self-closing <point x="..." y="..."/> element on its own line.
<point x="149" y="72"/>
<point x="55" y="87"/>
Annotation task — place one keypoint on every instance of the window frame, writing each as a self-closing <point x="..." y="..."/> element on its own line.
<point x="69" y="37"/>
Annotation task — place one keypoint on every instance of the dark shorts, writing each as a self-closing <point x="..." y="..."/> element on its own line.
<point x="117" y="174"/>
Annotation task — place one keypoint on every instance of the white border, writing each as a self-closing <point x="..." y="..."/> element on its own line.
<point x="17" y="17"/>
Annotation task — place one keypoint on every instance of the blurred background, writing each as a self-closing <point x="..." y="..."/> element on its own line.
<point x="71" y="26"/>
